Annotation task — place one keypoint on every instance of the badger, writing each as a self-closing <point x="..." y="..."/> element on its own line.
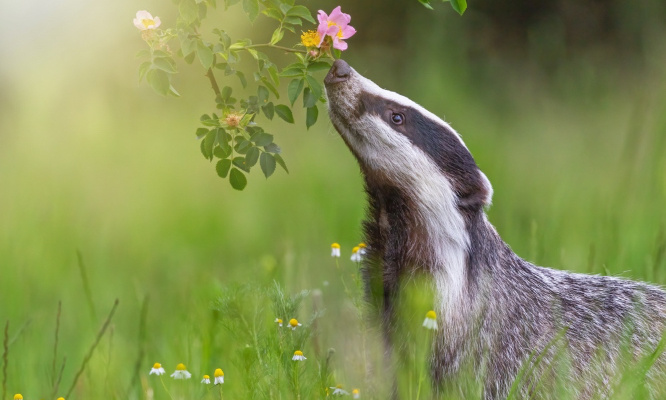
<point x="496" y="312"/>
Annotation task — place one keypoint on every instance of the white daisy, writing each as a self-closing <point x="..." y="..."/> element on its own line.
<point x="356" y="394"/>
<point x="279" y="322"/>
<point x="335" y="250"/>
<point x="219" y="376"/>
<point x="298" y="356"/>
<point x="362" y="249"/>
<point x="181" y="372"/>
<point x="206" y="379"/>
<point x="293" y="324"/>
<point x="338" y="391"/>
<point x="356" y="254"/>
<point x="157" y="369"/>
<point x="430" y="321"/>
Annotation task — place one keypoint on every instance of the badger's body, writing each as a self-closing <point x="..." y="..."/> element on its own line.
<point x="497" y="312"/>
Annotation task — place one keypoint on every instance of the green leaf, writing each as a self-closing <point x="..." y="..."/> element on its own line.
<point x="278" y="34"/>
<point x="226" y="93"/>
<point x="294" y="89"/>
<point x="242" y="79"/>
<point x="302" y="12"/>
<point x="240" y="163"/>
<point x="272" y="148"/>
<point x="285" y="113"/>
<point x="272" y="13"/>
<point x="290" y="72"/>
<point x="208" y="143"/>
<point x="269" y="110"/>
<point x="426" y="4"/>
<point x="280" y="161"/>
<point x="222" y="167"/>
<point x="173" y="91"/>
<point x="237" y="179"/>
<point x="318" y="66"/>
<point x="314" y="86"/>
<point x="270" y="86"/>
<point x="143" y="69"/>
<point x="201" y="132"/>
<point x="262" y="139"/>
<point x="459" y="5"/>
<point x="187" y="45"/>
<point x="309" y="99"/>
<point x="252" y="156"/>
<point x="267" y="163"/>
<point x="189" y="11"/>
<point x="243" y="146"/>
<point x="165" y="64"/>
<point x="272" y="71"/>
<point x="159" y="80"/>
<point x="262" y="94"/>
<point x="205" y="54"/>
<point x="311" y="116"/>
<point x="251" y="8"/>
<point x="222" y="151"/>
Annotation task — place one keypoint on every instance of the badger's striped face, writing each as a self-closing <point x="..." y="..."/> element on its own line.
<point x="399" y="141"/>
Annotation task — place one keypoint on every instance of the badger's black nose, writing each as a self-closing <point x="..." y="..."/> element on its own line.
<point x="340" y="72"/>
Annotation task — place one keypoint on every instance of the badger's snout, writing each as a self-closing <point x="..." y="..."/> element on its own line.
<point x="339" y="72"/>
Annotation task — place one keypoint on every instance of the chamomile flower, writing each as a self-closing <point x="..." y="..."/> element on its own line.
<point x="206" y="379"/>
<point x="279" y="322"/>
<point x="298" y="356"/>
<point x="430" y="321"/>
<point x="293" y="324"/>
<point x="362" y="249"/>
<point x="157" y="369"/>
<point x="61" y="398"/>
<point x="18" y="396"/>
<point x="335" y="250"/>
<point x="219" y="376"/>
<point x="356" y="394"/>
<point x="356" y="255"/>
<point x="181" y="372"/>
<point x="338" y="391"/>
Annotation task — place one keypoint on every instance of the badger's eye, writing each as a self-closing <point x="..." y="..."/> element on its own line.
<point x="397" y="118"/>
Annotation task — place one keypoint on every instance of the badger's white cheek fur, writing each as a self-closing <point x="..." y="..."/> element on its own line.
<point x="392" y="155"/>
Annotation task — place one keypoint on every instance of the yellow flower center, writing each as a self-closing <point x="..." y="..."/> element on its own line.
<point x="335" y="246"/>
<point x="147" y="22"/>
<point x="180" y="367"/>
<point x="61" y="398"/>
<point x="298" y="353"/>
<point x="218" y="373"/>
<point x="279" y="321"/>
<point x="355" y="391"/>
<point x="339" y="34"/>
<point x="293" y="322"/>
<point x="362" y="245"/>
<point x="310" y="39"/>
<point x="356" y="249"/>
<point x="431" y="315"/>
<point x="157" y="366"/>
<point x="18" y="396"/>
<point x="339" y="386"/>
<point x="206" y="377"/>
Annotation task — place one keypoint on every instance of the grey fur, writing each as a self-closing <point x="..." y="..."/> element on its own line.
<point x="498" y="312"/>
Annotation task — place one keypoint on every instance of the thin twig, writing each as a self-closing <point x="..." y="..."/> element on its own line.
<point x="92" y="348"/>
<point x="5" y="356"/>
<point x="18" y="333"/>
<point x="213" y="82"/>
<point x="55" y="346"/>
<point x="290" y="50"/>
<point x="57" y="383"/>
<point x="86" y="285"/>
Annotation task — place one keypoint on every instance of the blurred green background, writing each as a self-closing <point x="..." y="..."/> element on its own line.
<point x="563" y="105"/>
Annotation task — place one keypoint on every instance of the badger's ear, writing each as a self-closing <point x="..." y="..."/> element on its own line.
<point x="480" y="195"/>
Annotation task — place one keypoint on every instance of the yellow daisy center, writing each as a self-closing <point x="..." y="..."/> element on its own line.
<point x="339" y="386"/>
<point x="61" y="398"/>
<point x="298" y="353"/>
<point x="18" y="396"/>
<point x="335" y="246"/>
<point x="180" y="367"/>
<point x="293" y="322"/>
<point x="431" y="315"/>
<point x="355" y="391"/>
<point x="157" y="366"/>
<point x="310" y="39"/>
<point x="218" y="373"/>
<point x="279" y="321"/>
<point x="356" y="249"/>
<point x="206" y="377"/>
<point x="362" y="245"/>
<point x="147" y="22"/>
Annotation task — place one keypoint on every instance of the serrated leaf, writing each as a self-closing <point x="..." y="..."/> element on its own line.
<point x="267" y="163"/>
<point x="201" y="132"/>
<point x="426" y="4"/>
<point x="311" y="116"/>
<point x="251" y="8"/>
<point x="165" y="64"/>
<point x="241" y="77"/>
<point x="252" y="157"/>
<point x="208" y="143"/>
<point x="278" y="34"/>
<point x="143" y="69"/>
<point x="206" y="56"/>
<point x="294" y="89"/>
<point x="240" y="163"/>
<point x="314" y="86"/>
<point x="459" y="5"/>
<point x="318" y="66"/>
<point x="262" y="139"/>
<point x="269" y="110"/>
<point x="284" y="112"/>
<point x="302" y="12"/>
<point x="222" y="167"/>
<point x="159" y="81"/>
<point x="309" y="99"/>
<point x="291" y="72"/>
<point x="272" y="148"/>
<point x="262" y="94"/>
<point x="280" y="161"/>
<point x="189" y="11"/>
<point x="237" y="179"/>
<point x="272" y="13"/>
<point x="243" y="146"/>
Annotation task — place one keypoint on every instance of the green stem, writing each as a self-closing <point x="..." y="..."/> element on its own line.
<point x="276" y="47"/>
<point x="213" y="82"/>
<point x="165" y="388"/>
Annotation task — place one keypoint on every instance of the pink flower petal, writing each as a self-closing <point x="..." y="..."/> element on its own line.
<point x="348" y="31"/>
<point x="138" y="24"/>
<point x="339" y="44"/>
<point x="322" y="17"/>
<point x="321" y="31"/>
<point x="332" y="30"/>
<point x="339" y="17"/>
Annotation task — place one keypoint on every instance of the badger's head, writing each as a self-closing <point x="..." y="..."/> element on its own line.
<point x="401" y="144"/>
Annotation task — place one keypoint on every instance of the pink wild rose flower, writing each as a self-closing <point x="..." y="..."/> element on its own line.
<point x="336" y="26"/>
<point x="145" y="21"/>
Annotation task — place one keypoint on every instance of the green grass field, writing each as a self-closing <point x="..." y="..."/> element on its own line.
<point x="96" y="165"/>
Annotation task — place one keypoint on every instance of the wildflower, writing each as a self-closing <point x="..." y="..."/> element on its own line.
<point x="181" y="372"/>
<point x="233" y="119"/>
<point x="335" y="250"/>
<point x="430" y="321"/>
<point x="362" y="249"/>
<point x="293" y="324"/>
<point x="157" y="369"/>
<point x="298" y="356"/>
<point x="310" y="39"/>
<point x="336" y="26"/>
<point x="356" y="394"/>
<point x="279" y="322"/>
<point x="219" y="376"/>
<point x="206" y="379"/>
<point x="18" y="396"/>
<point x="356" y="254"/>
<point x="338" y="391"/>
<point x="145" y="21"/>
<point x="61" y="398"/>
